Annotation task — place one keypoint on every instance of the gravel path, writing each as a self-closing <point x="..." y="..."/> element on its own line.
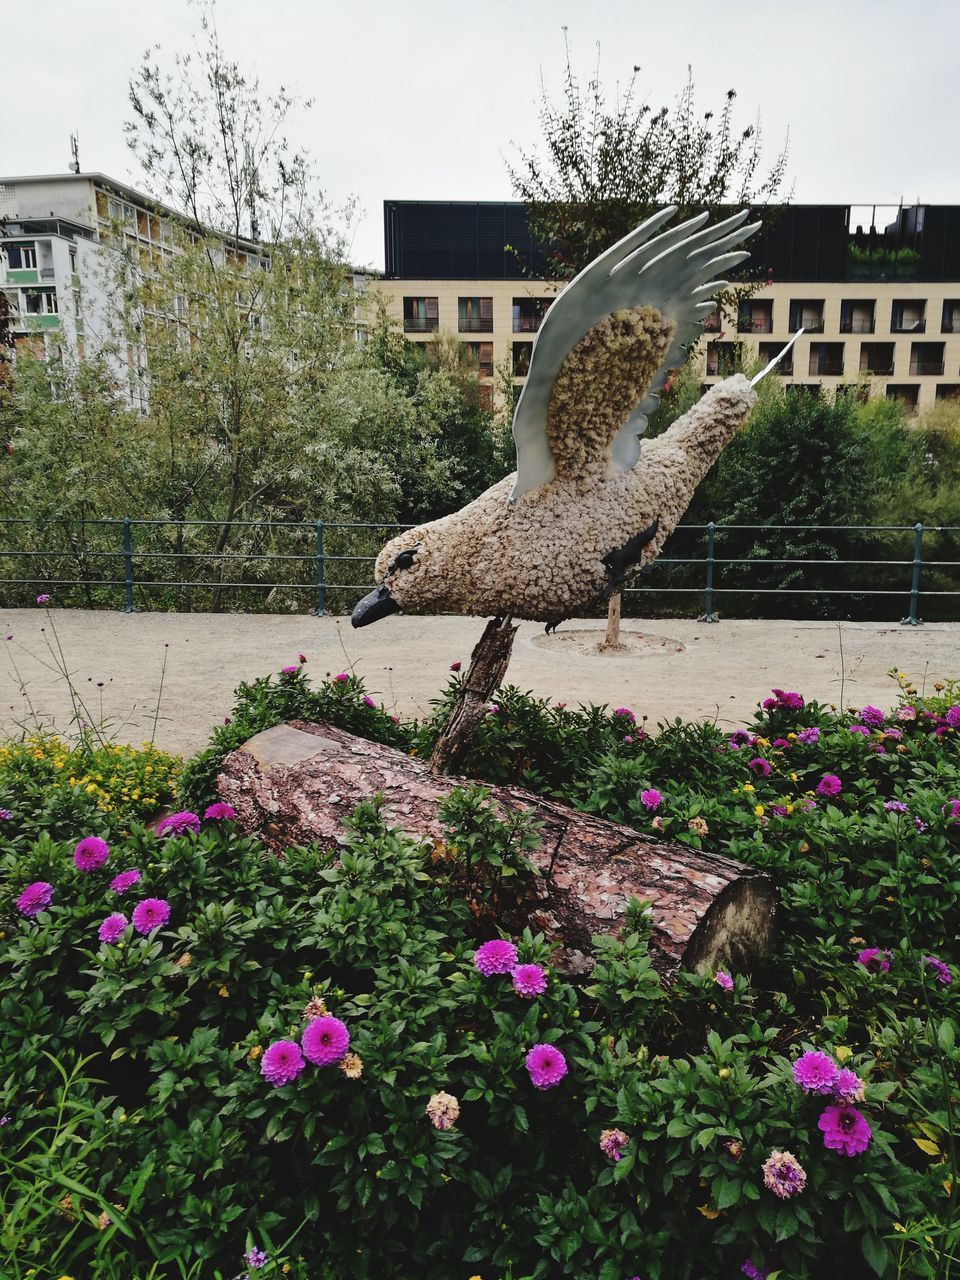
<point x="670" y="667"/>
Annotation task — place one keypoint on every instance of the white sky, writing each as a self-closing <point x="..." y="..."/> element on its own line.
<point x="422" y="99"/>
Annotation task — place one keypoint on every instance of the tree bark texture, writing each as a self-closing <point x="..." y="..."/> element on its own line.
<point x="295" y="783"/>
<point x="488" y="666"/>
<point x="612" y="638"/>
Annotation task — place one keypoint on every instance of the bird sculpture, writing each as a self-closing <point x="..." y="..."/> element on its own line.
<point x="588" y="505"/>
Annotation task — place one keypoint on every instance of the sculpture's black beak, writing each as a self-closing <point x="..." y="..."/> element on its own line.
<point x="378" y="604"/>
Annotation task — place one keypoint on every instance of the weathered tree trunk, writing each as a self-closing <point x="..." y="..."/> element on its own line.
<point x="612" y="638"/>
<point x="297" y="782"/>
<point x="488" y="666"/>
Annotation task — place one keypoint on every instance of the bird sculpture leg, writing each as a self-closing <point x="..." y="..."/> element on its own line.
<point x="488" y="666"/>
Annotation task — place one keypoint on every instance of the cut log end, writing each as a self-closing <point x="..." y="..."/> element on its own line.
<point x="296" y="783"/>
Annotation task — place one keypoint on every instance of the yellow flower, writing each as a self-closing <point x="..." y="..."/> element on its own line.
<point x="759" y="810"/>
<point x="748" y="786"/>
<point x="793" y="777"/>
<point x="898" y="1226"/>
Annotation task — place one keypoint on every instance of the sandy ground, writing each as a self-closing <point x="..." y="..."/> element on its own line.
<point x="670" y="667"/>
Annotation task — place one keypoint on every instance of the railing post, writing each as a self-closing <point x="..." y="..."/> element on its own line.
<point x="911" y="620"/>
<point x="129" y="606"/>
<point x="708" y="614"/>
<point x="321" y="608"/>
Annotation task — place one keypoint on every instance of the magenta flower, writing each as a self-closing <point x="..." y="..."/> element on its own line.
<point x="112" y="928"/>
<point x="5" y="815"/>
<point x="44" y="599"/>
<point x="125" y="880"/>
<point x="895" y="806"/>
<point x="952" y="810"/>
<point x="723" y="979"/>
<point x="341" y="677"/>
<point x="150" y="914"/>
<point x="874" y="960"/>
<point x="529" y="980"/>
<point x="893" y="735"/>
<point x="830" y="785"/>
<point x="368" y="701"/>
<point x="789" y="700"/>
<point x="612" y="1142"/>
<point x="34" y="898"/>
<point x="175" y="824"/>
<point x="782" y="744"/>
<point x="282" y="1062"/>
<point x="872" y="716"/>
<point x="301" y="658"/>
<point x="953" y="717"/>
<point x="783" y="1175"/>
<point x="907" y="713"/>
<point x="90" y="854"/>
<point x="496" y="956"/>
<point x="455" y="666"/>
<point x="849" y="1087"/>
<point x="753" y="1272"/>
<point x="815" y="1072"/>
<point x="809" y="736"/>
<point x="219" y="812"/>
<point x="289" y="671"/>
<point x="920" y="824"/>
<point x="651" y="799"/>
<point x="626" y="713"/>
<point x="759" y="765"/>
<point x="845" y="1130"/>
<point x="255" y="1258"/>
<point x="739" y="738"/>
<point x="547" y="1065"/>
<point x="325" y="1040"/>
<point x="943" y="971"/>
<point x="861" y="729"/>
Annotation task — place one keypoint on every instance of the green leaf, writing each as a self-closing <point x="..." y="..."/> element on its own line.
<point x="876" y="1252"/>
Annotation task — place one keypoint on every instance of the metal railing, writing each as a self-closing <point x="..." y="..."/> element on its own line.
<point x="123" y="563"/>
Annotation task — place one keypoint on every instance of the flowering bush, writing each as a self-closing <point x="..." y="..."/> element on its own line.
<point x="343" y="1050"/>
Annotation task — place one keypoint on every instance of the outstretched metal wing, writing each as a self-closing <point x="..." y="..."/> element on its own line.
<point x="672" y="272"/>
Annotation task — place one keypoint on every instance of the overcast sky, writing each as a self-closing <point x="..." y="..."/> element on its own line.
<point x="423" y="99"/>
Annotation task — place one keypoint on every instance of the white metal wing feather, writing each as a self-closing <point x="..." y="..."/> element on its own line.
<point x="671" y="272"/>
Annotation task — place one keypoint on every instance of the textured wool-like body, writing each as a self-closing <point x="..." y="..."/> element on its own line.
<point x="541" y="558"/>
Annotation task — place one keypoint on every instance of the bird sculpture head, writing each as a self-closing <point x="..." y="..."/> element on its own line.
<point x="585" y="508"/>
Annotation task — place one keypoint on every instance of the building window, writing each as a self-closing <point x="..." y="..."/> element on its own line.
<point x="21" y="257"/>
<point x="908" y="317"/>
<point x="908" y="394"/>
<point x="926" y="357"/>
<point x="826" y="359"/>
<point x="853" y="391"/>
<point x="528" y="314"/>
<point x="756" y="316"/>
<point x="948" y="390"/>
<point x="420" y="315"/>
<point x="950" y="322"/>
<point x="521" y="358"/>
<point x="806" y="314"/>
<point x="480" y="358"/>
<point x="857" y="315"/>
<point x="712" y="321"/>
<point x="723" y="358"/>
<point x="768" y="351"/>
<point x="475" y="315"/>
<point x="41" y="302"/>
<point x="876" y="357"/>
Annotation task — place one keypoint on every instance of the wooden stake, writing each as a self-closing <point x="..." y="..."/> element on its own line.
<point x="612" y="640"/>
<point x="488" y="666"/>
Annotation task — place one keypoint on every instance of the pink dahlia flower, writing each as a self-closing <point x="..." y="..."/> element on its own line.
<point x="443" y="1110"/>
<point x="809" y="736"/>
<point x="723" y="979"/>
<point x="150" y="914"/>
<point x="943" y="971"/>
<point x="872" y="716"/>
<point x="815" y="1072"/>
<point x="952" y="717"/>
<point x="849" y="1087"/>
<point x="43" y="599"/>
<point x="90" y="854"/>
<point x="651" y="799"/>
<point x="759" y="765"/>
<point x="529" y="980"/>
<point x="282" y="1062"/>
<point x="34" y="898"/>
<point x="612" y="1142"/>
<point x="496" y="956"/>
<point x="219" y="812"/>
<point x="830" y="785"/>
<point x="325" y="1040"/>
<point x="844" y="1130"/>
<point x="125" y="880"/>
<point x="112" y="928"/>
<point x="907" y="713"/>
<point x="547" y="1065"/>
<point x="289" y="671"/>
<point x="783" y="1174"/>
<point x="626" y="713"/>
<point x="341" y="677"/>
<point x="368" y="701"/>
<point x="455" y="666"/>
<point x="175" y="824"/>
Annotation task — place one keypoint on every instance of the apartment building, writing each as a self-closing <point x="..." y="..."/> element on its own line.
<point x="876" y="290"/>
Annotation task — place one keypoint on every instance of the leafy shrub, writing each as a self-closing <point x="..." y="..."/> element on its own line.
<point x="341" y="1170"/>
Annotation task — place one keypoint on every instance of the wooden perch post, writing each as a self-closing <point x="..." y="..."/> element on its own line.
<point x="488" y="666"/>
<point x="296" y="783"/>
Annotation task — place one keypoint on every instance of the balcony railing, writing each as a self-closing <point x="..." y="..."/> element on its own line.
<point x="808" y="326"/>
<point x="48" y="273"/>
<point x="827" y="369"/>
<point x="907" y="326"/>
<point x="475" y="324"/>
<point x="762" y="324"/>
<point x="950" y="326"/>
<point x="527" y="324"/>
<point x="926" y="366"/>
<point x="857" y="324"/>
<point x="880" y="370"/>
<point x="420" y="324"/>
